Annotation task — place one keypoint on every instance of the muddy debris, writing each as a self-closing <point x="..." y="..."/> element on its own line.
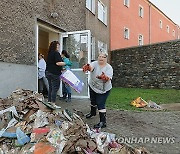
<point x="29" y="125"/>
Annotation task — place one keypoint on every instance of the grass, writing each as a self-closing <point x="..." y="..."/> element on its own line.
<point x="120" y="98"/>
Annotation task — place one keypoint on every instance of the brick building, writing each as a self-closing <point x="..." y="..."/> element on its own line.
<point x="27" y="28"/>
<point x="139" y="22"/>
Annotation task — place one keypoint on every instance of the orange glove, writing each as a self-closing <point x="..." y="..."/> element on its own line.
<point x="103" y="77"/>
<point x="86" y="67"/>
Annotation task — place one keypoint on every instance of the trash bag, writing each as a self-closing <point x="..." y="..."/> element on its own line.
<point x="139" y="102"/>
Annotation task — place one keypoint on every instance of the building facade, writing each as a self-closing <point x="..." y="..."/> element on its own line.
<point x="27" y="28"/>
<point x="97" y="20"/>
<point x="139" y="22"/>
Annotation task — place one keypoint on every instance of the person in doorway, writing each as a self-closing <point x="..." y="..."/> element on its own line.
<point x="53" y="70"/>
<point x="42" y="80"/>
<point x="99" y="85"/>
<point x="65" y="87"/>
<point x="82" y="62"/>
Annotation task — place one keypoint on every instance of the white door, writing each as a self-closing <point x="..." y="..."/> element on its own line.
<point x="78" y="44"/>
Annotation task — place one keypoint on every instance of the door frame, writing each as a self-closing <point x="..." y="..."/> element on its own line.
<point x="65" y="34"/>
<point x="37" y="27"/>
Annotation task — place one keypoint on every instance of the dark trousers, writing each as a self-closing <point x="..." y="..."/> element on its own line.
<point x="40" y="85"/>
<point x="54" y="83"/>
<point x="43" y="84"/>
<point x="66" y="88"/>
<point x="98" y="99"/>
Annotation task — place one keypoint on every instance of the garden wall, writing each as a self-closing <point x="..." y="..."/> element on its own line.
<point x="151" y="66"/>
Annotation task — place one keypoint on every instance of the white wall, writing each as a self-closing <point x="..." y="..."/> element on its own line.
<point x="13" y="76"/>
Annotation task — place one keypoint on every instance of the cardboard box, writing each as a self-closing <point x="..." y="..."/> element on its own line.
<point x="71" y="79"/>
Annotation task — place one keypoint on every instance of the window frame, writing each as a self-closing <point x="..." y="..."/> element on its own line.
<point x="126" y="33"/>
<point x="127" y="3"/>
<point x="103" y="46"/>
<point x="141" y="11"/>
<point x="93" y="48"/>
<point x="92" y="6"/>
<point x="142" y="40"/>
<point x="173" y="33"/>
<point x="104" y="12"/>
<point x="167" y="28"/>
<point x="160" y="24"/>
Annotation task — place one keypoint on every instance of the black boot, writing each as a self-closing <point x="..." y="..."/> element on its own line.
<point x="102" y="122"/>
<point x="92" y="112"/>
<point x="69" y="98"/>
<point x="64" y="95"/>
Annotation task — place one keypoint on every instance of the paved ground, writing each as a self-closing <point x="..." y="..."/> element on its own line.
<point x="146" y="128"/>
<point x="173" y="106"/>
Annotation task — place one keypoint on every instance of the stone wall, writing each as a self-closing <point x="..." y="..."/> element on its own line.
<point x="18" y="19"/>
<point x="152" y="66"/>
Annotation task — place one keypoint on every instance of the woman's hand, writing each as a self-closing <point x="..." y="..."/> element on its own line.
<point x="103" y="77"/>
<point x="86" y="67"/>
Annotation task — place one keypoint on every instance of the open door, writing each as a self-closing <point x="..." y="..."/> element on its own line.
<point x="45" y="35"/>
<point x="78" y="44"/>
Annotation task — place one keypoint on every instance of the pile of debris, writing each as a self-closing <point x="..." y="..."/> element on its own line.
<point x="30" y="125"/>
<point x="141" y="103"/>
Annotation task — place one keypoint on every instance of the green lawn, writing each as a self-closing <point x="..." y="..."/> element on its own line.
<point x="120" y="98"/>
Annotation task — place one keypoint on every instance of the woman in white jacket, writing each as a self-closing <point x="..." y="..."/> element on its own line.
<point x="42" y="80"/>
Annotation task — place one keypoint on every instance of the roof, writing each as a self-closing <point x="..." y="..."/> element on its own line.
<point x="161" y="12"/>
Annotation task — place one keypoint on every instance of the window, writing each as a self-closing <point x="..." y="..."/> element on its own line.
<point x="102" y="47"/>
<point x="167" y="28"/>
<point x="173" y="33"/>
<point x="126" y="33"/>
<point x="160" y="24"/>
<point x="141" y="11"/>
<point x="90" y="4"/>
<point x="93" y="53"/>
<point x="102" y="12"/>
<point x="126" y="3"/>
<point x="140" y="39"/>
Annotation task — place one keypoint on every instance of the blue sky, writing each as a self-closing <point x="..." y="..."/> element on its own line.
<point x="170" y="7"/>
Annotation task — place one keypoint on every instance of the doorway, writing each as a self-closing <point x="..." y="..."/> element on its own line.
<point x="76" y="43"/>
<point x="45" y="36"/>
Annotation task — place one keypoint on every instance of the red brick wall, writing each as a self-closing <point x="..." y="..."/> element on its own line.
<point x="122" y="16"/>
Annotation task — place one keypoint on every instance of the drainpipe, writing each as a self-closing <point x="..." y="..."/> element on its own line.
<point x="178" y="31"/>
<point x="149" y="23"/>
<point x="110" y="44"/>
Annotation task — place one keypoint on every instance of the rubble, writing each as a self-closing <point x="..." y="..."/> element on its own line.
<point x="154" y="105"/>
<point x="28" y="125"/>
<point x="141" y="103"/>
